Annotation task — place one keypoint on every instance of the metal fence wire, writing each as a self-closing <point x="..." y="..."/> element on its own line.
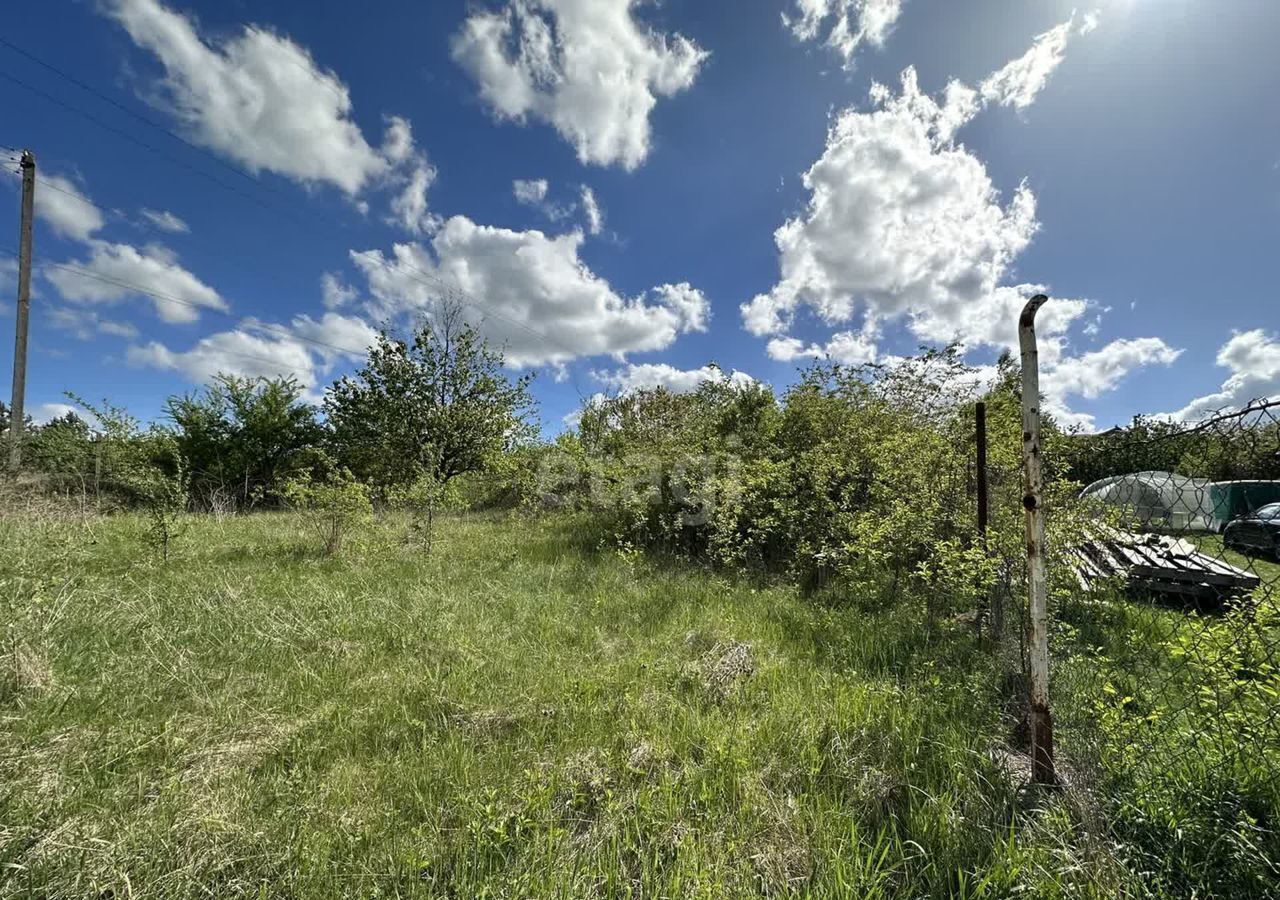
<point x="1165" y="626"/>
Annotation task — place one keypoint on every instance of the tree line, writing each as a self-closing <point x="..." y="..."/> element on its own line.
<point x="852" y="470"/>
<point x="434" y="405"/>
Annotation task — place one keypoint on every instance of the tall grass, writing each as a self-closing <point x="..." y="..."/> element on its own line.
<point x="511" y="715"/>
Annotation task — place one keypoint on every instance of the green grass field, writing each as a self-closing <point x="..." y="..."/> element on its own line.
<point x="513" y="715"/>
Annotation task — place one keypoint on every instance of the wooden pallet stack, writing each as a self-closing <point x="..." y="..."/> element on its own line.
<point x="1159" y="564"/>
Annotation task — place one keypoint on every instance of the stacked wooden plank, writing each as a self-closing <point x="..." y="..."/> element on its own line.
<point x="1158" y="563"/>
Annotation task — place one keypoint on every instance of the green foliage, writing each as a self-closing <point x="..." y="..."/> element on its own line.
<point x="862" y="476"/>
<point x="653" y="465"/>
<point x="1177" y="710"/>
<point x="509" y="480"/>
<point x="423" y="500"/>
<point x="514" y="715"/>
<point x="663" y="423"/>
<point x="437" y="404"/>
<point x="64" y="450"/>
<point x="157" y="479"/>
<point x="243" y="438"/>
<point x="1244" y="451"/>
<point x="131" y="466"/>
<point x="6" y="418"/>
<point x="1230" y="449"/>
<point x="334" y="505"/>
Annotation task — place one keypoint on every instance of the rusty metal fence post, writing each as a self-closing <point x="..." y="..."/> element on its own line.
<point x="1037" y="580"/>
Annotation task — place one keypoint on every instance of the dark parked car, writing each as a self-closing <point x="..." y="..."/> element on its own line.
<point x="1257" y="532"/>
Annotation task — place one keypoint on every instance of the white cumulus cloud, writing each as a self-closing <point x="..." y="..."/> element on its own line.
<point x="1253" y="360"/>
<point x="334" y="336"/>
<point x="85" y="324"/>
<point x="680" y="381"/>
<point x="1094" y="373"/>
<point x="334" y="292"/>
<point x="256" y="97"/>
<point x="166" y="221"/>
<point x="115" y="272"/>
<point x="1020" y="80"/>
<point x="257" y="349"/>
<point x="412" y="176"/>
<point x="904" y="222"/>
<point x="588" y="68"/>
<point x="398" y="144"/>
<point x="529" y="293"/>
<point x="66" y="208"/>
<point x="850" y="348"/>
<point x="900" y="220"/>
<point x="409" y="207"/>
<point x="232" y="353"/>
<point x="848" y="23"/>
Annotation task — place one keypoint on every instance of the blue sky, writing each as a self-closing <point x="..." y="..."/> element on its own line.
<point x="753" y="183"/>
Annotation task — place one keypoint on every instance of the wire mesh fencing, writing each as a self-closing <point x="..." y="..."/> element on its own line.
<point x="1165" y="633"/>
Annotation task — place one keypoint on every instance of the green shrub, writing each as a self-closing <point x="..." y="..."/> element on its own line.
<point x="157" y="479"/>
<point x="861" y="476"/>
<point x="423" y="500"/>
<point x="334" y="506"/>
<point x="243" y="438"/>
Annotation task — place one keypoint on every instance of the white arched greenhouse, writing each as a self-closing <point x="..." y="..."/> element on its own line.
<point x="1161" y="501"/>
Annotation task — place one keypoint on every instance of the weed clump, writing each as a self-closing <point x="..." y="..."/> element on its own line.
<point x="721" y="671"/>
<point x="586" y="784"/>
<point x="22" y="670"/>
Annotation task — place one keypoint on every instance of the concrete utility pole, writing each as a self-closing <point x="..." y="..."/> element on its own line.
<point x="1042" y="770"/>
<point x="16" y="406"/>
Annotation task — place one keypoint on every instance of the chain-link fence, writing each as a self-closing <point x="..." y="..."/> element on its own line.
<point x="1165" y="637"/>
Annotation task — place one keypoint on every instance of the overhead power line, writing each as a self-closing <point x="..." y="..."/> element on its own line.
<point x="133" y="113"/>
<point x="257" y="323"/>
<point x="82" y="272"/>
<point x="238" y="354"/>
<point x="437" y="282"/>
<point x="126" y="135"/>
<point x="45" y="184"/>
<point x="244" y="324"/>
<point x="399" y="266"/>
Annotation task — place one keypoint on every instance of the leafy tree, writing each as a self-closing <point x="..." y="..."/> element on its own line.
<point x="718" y="415"/>
<point x="242" y="438"/>
<point x="437" y="404"/>
<point x="64" y="450"/>
<point x="6" y="419"/>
